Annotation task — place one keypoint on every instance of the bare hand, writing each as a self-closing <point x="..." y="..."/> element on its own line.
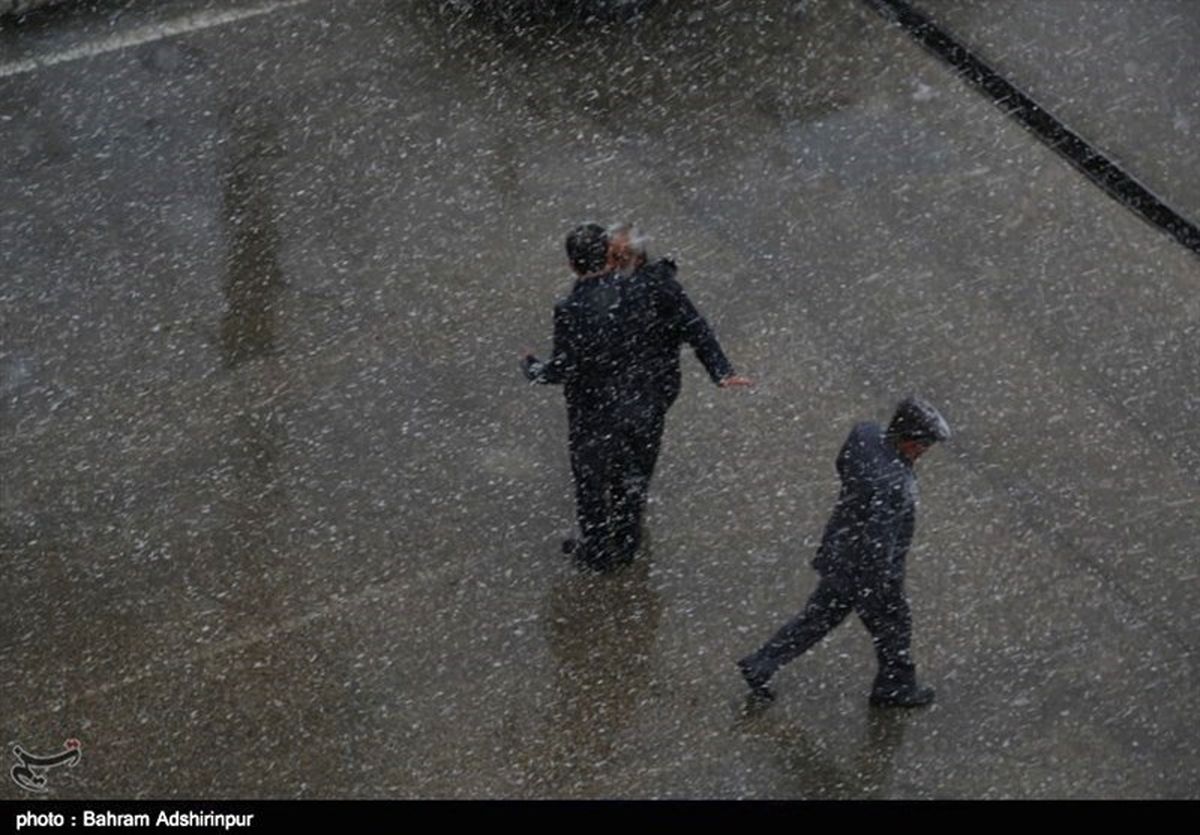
<point x="735" y="381"/>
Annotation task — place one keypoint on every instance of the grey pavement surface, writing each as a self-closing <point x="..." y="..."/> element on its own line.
<point x="279" y="516"/>
<point x="17" y="7"/>
<point x="1122" y="73"/>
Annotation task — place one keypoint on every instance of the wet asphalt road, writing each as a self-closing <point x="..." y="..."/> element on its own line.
<point x="280" y="518"/>
<point x="1119" y="77"/>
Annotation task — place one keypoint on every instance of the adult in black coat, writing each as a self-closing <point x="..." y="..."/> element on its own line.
<point x="861" y="559"/>
<point x="616" y="353"/>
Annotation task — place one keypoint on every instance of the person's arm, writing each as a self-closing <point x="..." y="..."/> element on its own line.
<point x="696" y="332"/>
<point x="561" y="364"/>
<point x="884" y="517"/>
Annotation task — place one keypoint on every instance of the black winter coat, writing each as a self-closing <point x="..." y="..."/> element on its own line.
<point x="868" y="536"/>
<point x="617" y="340"/>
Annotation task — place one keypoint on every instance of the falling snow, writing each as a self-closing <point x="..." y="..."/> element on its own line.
<point x="281" y="517"/>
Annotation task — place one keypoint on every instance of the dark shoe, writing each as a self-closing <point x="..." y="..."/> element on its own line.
<point x="588" y="557"/>
<point x="756" y="681"/>
<point x="905" y="696"/>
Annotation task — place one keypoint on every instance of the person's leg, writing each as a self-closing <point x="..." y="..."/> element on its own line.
<point x="653" y="443"/>
<point x="632" y="484"/>
<point x="589" y="467"/>
<point x="829" y="604"/>
<point x="885" y="612"/>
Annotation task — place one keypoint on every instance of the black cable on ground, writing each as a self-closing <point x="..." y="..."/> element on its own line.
<point x="1088" y="159"/>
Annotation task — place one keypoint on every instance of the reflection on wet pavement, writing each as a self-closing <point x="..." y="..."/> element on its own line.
<point x="600" y="631"/>
<point x="817" y="772"/>
<point x="254" y="276"/>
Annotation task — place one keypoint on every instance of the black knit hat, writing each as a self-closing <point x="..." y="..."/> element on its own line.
<point x="587" y="247"/>
<point x="917" y="420"/>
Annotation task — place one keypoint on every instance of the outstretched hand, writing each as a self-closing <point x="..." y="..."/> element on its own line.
<point x="735" y="381"/>
<point x="529" y="365"/>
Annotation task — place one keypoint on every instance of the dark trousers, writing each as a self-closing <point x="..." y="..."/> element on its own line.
<point x="881" y="605"/>
<point x="612" y="462"/>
